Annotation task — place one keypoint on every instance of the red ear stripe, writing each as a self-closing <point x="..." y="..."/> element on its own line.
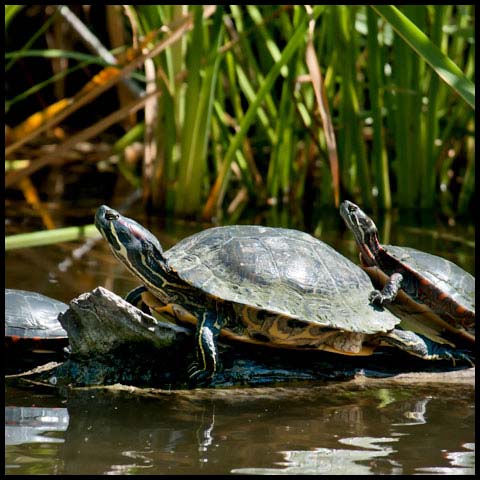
<point x="137" y="233"/>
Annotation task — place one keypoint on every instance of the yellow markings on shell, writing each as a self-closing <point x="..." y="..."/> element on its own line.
<point x="302" y="338"/>
<point x="245" y="317"/>
<point x="365" y="351"/>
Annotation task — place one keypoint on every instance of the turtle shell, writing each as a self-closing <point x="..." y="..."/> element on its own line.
<point x="445" y="275"/>
<point x="31" y="315"/>
<point x="282" y="271"/>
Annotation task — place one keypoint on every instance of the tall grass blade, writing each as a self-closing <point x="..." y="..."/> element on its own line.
<point x="294" y="103"/>
<point x="322" y="103"/>
<point x="416" y="39"/>
<point x="352" y="148"/>
<point x="48" y="237"/>
<point x="218" y="191"/>
<point x="199" y="102"/>
<point x="433" y="116"/>
<point x="10" y="12"/>
<point x="376" y="88"/>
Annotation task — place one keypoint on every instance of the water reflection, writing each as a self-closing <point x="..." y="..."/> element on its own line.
<point x="325" y="461"/>
<point x="381" y="455"/>
<point x="33" y="439"/>
<point x="462" y="463"/>
<point x="252" y="431"/>
<point x="414" y="414"/>
<point x="32" y="424"/>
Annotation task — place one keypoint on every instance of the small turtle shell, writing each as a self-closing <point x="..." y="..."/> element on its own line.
<point x="445" y="275"/>
<point x="32" y="315"/>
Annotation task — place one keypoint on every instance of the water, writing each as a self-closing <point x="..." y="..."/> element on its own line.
<point x="299" y="429"/>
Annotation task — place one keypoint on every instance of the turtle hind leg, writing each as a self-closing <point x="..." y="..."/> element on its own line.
<point x="422" y="347"/>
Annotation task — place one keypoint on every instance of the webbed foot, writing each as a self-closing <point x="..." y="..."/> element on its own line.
<point x="198" y="377"/>
<point x="444" y="353"/>
<point x="425" y="348"/>
<point x="376" y="297"/>
<point x="389" y="291"/>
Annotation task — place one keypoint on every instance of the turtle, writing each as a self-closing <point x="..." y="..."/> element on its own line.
<point x="443" y="287"/>
<point x="271" y="286"/>
<point x="31" y="321"/>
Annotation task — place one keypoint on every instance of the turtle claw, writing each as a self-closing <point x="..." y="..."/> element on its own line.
<point x="463" y="356"/>
<point x="389" y="292"/>
<point x="194" y="366"/>
<point x="198" y="376"/>
<point x="453" y="356"/>
<point x="376" y="297"/>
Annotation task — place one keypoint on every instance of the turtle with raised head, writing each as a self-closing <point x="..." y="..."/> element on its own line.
<point x="445" y="288"/>
<point x="269" y="286"/>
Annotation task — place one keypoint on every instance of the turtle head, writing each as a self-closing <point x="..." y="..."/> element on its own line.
<point x="363" y="228"/>
<point x="136" y="247"/>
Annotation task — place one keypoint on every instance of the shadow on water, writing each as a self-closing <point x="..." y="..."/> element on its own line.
<point x="262" y="431"/>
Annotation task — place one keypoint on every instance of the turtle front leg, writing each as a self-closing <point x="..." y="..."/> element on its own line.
<point x="134" y="297"/>
<point x="141" y="298"/>
<point x="389" y="291"/>
<point x="207" y="362"/>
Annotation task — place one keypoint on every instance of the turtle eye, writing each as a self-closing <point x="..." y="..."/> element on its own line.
<point x="111" y="215"/>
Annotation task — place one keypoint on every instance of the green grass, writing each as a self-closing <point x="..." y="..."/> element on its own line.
<point x="238" y="121"/>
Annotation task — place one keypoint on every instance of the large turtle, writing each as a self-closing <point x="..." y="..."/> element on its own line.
<point x="445" y="288"/>
<point x="272" y="286"/>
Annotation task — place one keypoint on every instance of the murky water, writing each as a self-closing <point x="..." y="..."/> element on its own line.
<point x="285" y="430"/>
<point x="374" y="432"/>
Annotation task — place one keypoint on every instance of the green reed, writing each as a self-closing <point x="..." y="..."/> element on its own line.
<point x="243" y="139"/>
<point x="237" y="121"/>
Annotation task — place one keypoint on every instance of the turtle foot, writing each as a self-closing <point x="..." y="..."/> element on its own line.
<point x="462" y="356"/>
<point x="439" y="352"/>
<point x="389" y="292"/>
<point x="376" y="298"/>
<point x="198" y="377"/>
